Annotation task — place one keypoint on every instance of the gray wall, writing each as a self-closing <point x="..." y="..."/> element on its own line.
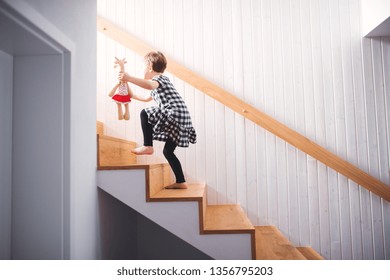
<point x="34" y="210"/>
<point x="54" y="194"/>
<point x="6" y="70"/>
<point x="77" y="20"/>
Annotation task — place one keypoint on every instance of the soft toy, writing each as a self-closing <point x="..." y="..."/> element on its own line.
<point x="121" y="92"/>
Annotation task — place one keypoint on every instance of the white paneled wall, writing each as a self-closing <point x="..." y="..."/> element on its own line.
<point x="304" y="63"/>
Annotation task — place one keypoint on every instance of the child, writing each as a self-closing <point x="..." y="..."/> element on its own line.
<point x="170" y="121"/>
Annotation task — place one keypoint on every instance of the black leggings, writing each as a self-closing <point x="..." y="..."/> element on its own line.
<point x="168" y="151"/>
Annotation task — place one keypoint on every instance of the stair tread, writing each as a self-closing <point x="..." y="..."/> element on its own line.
<point x="194" y="192"/>
<point x="272" y="245"/>
<point x="113" y="138"/>
<point x="310" y="253"/>
<point x="226" y="218"/>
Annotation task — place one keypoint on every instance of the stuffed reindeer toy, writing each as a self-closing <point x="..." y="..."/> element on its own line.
<point x="121" y="92"/>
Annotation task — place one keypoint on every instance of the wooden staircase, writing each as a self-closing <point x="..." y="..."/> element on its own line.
<point x="266" y="242"/>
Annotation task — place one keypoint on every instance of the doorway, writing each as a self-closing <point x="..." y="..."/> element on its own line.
<point x="35" y="138"/>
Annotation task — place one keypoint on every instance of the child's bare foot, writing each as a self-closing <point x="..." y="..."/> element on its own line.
<point x="177" y="186"/>
<point x="126" y="116"/>
<point x="144" y="150"/>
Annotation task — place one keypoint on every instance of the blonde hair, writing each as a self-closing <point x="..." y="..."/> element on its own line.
<point x="157" y="60"/>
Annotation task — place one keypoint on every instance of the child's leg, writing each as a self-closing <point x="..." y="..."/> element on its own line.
<point x="147" y="129"/>
<point x="174" y="162"/>
<point x="126" y="116"/>
<point x="120" y="112"/>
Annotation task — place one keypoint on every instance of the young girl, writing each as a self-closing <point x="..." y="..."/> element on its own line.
<point x="169" y="121"/>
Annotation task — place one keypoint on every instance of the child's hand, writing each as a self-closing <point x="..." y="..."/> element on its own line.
<point x="123" y="76"/>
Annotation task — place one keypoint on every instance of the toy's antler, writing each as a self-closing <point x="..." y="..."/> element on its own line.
<point x="120" y="63"/>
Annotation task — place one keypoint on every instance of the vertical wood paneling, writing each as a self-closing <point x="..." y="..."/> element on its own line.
<point x="301" y="61"/>
<point x="238" y="63"/>
<point x="310" y="121"/>
<point x="291" y="160"/>
<point x="302" y="183"/>
<point x="280" y="106"/>
<point x="330" y="135"/>
<point x="386" y="70"/>
<point x="320" y="127"/>
<point x="361" y="140"/>
<point x="269" y="103"/>
<point x="350" y="121"/>
<point x="367" y="231"/>
<point x="249" y="96"/>
<point x="382" y="164"/>
<point x="262" y="192"/>
<point x="189" y="91"/>
<point x="228" y="82"/>
<point x="219" y="109"/>
<point x="210" y="124"/>
<point x="199" y="118"/>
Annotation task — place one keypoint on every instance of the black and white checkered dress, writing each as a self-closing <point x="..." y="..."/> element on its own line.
<point x="170" y="119"/>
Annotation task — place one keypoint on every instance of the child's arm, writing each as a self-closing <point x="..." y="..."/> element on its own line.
<point x="145" y="97"/>
<point x="137" y="96"/>
<point x="112" y="92"/>
<point x="144" y="83"/>
<point x="142" y="97"/>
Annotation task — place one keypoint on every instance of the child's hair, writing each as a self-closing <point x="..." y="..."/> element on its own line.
<point x="158" y="61"/>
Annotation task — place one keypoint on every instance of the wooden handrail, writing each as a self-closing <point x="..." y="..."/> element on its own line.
<point x="297" y="140"/>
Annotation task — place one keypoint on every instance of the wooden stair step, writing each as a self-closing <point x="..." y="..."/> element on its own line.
<point x="114" y="151"/>
<point x="195" y="192"/>
<point x="227" y="218"/>
<point x="272" y="245"/>
<point x="310" y="253"/>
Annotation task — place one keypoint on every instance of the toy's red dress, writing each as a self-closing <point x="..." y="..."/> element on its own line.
<point x="122" y="95"/>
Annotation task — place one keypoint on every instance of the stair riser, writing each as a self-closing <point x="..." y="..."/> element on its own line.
<point x="99" y="128"/>
<point x="158" y="178"/>
<point x="115" y="152"/>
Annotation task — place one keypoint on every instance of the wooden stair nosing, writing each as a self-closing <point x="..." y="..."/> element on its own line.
<point x="145" y="166"/>
<point x="195" y="192"/>
<point x="309" y="253"/>
<point x="132" y="166"/>
<point x="122" y="167"/>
